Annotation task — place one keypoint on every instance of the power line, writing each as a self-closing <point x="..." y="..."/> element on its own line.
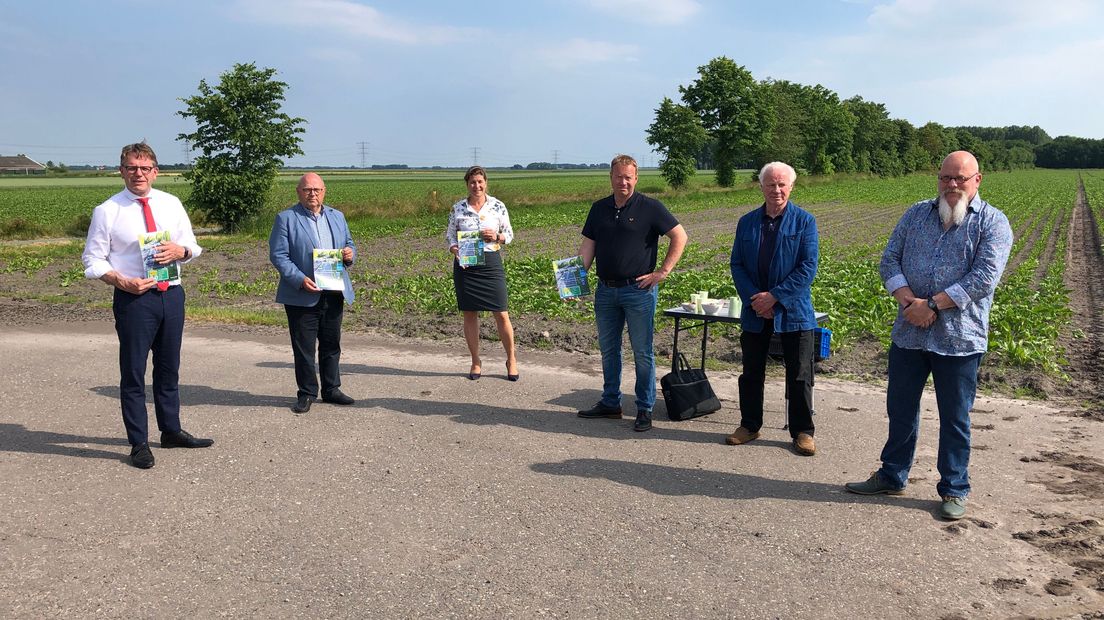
<point x="475" y="155"/>
<point x="363" y="154"/>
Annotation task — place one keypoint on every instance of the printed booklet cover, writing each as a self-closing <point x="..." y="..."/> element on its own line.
<point x="149" y="243"/>
<point x="329" y="270"/>
<point x="571" y="278"/>
<point x="471" y="248"/>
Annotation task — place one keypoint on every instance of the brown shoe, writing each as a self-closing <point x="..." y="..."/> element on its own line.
<point x="742" y="435"/>
<point x="804" y="444"/>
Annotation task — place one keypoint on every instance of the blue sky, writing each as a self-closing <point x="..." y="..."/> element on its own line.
<point x="425" y="83"/>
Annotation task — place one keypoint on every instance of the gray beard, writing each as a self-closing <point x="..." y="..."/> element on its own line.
<point x="952" y="215"/>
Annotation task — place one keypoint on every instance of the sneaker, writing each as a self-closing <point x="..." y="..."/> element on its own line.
<point x="804" y="444"/>
<point x="953" y="508"/>
<point x="601" y="411"/>
<point x="643" y="421"/>
<point x="741" y="435"/>
<point x="873" y="486"/>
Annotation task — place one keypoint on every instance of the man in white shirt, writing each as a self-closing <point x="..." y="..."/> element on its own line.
<point x="149" y="301"/>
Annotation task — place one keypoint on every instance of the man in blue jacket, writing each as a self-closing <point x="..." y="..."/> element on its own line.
<point x="314" y="315"/>
<point x="774" y="260"/>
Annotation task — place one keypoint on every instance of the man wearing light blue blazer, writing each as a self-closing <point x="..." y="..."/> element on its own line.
<point x="314" y="314"/>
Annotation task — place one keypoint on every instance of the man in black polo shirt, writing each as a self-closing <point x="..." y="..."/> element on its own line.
<point x="622" y="232"/>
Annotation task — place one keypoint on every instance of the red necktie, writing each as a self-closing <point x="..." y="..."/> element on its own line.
<point x="150" y="227"/>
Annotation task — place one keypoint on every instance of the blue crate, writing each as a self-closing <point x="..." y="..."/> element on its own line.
<point x="823" y="343"/>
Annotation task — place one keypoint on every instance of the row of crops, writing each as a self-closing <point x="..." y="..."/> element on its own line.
<point x="408" y="271"/>
<point x="1030" y="311"/>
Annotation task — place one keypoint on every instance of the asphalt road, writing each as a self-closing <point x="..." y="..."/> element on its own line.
<point x="435" y="496"/>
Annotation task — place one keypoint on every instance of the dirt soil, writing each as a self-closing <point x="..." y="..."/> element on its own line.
<point x="1085" y="279"/>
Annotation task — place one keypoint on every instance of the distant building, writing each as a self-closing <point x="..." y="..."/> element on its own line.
<point x="15" y="164"/>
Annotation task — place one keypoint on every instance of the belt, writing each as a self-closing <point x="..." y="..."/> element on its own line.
<point x="619" y="283"/>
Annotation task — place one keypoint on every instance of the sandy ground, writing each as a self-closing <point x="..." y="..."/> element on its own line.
<point x="435" y="496"/>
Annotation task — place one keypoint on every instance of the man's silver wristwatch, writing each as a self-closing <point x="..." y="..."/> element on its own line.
<point x="933" y="306"/>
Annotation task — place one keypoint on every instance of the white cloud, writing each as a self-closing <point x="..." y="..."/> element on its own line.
<point x="979" y="16"/>
<point x="578" y="52"/>
<point x="660" y="12"/>
<point x="988" y="62"/>
<point x="317" y="19"/>
<point x="1049" y="89"/>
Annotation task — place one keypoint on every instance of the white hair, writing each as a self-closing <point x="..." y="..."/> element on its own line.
<point x="790" y="172"/>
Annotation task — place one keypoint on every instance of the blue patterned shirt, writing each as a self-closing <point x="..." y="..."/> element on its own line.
<point x="965" y="262"/>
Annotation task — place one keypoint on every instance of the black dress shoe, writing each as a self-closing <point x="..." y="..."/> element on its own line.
<point x="643" y="421"/>
<point x="184" y="439"/>
<point x="601" y="411"/>
<point x="513" y="377"/>
<point x="141" y="457"/>
<point x="337" y="397"/>
<point x="302" y="404"/>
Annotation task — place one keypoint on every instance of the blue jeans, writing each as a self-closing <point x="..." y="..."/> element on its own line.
<point x="955" y="379"/>
<point x="613" y="309"/>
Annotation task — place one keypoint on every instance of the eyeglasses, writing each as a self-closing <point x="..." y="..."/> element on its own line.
<point x="312" y="190"/>
<point x="142" y="169"/>
<point x="945" y="178"/>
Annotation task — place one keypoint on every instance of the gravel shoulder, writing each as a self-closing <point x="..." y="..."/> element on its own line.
<point x="437" y="496"/>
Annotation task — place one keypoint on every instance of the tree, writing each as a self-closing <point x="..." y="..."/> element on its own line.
<point x="912" y="154"/>
<point x="734" y="109"/>
<point x="678" y="135"/>
<point x="876" y="137"/>
<point x="811" y="129"/>
<point x="243" y="137"/>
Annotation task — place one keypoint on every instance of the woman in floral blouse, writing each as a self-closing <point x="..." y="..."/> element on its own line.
<point x="482" y="286"/>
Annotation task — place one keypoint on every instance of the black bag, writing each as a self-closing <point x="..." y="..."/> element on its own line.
<point x="687" y="392"/>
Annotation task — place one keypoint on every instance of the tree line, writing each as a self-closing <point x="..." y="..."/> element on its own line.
<point x="729" y="120"/>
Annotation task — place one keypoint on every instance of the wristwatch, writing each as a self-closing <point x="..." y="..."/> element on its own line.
<point x="933" y="306"/>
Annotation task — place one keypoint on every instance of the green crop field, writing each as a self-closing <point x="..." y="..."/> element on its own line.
<point x="398" y="219"/>
<point x="50" y="206"/>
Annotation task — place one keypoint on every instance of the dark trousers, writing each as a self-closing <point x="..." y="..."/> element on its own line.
<point x="153" y="321"/>
<point x="321" y="324"/>
<point x="797" y="353"/>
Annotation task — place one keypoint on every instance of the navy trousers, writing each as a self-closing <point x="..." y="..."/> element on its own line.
<point x="153" y="321"/>
<point x="318" y="324"/>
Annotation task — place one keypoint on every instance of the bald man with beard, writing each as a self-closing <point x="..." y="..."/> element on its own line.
<point x="942" y="264"/>
<point x="314" y="315"/>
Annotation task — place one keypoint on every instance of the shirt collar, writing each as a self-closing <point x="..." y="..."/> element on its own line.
<point x="976" y="204"/>
<point x="486" y="201"/>
<point x="134" y="197"/>
<point x="307" y="212"/>
<point x="628" y="203"/>
<point x="766" y="217"/>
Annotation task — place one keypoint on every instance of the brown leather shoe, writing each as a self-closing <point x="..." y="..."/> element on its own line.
<point x="742" y="435"/>
<point x="804" y="444"/>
